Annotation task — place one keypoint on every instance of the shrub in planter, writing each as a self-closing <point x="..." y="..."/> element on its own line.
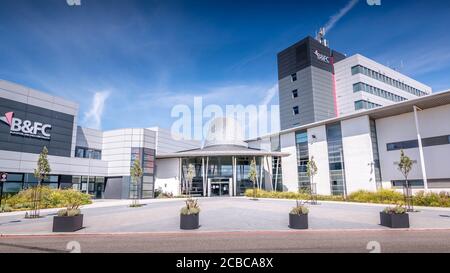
<point x="394" y="217"/>
<point x="189" y="215"/>
<point x="69" y="219"/>
<point x="298" y="217"/>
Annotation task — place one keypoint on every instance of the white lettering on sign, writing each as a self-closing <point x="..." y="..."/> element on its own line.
<point x="322" y="57"/>
<point x="21" y="127"/>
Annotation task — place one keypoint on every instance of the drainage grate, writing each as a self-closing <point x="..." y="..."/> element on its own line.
<point x="443" y="215"/>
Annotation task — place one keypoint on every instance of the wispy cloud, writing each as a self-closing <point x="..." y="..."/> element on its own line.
<point x="338" y="16"/>
<point x="93" y="118"/>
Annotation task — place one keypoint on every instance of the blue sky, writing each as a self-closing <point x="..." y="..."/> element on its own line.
<point x="127" y="63"/>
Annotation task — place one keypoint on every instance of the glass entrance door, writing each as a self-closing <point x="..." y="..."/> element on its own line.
<point x="220" y="187"/>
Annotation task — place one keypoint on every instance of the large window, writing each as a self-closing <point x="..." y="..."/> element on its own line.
<point x="336" y="159"/>
<point x="359" y="69"/>
<point x="82" y="152"/>
<point x="363" y="104"/>
<point x="376" y="155"/>
<point x="197" y="181"/>
<point x="426" y="142"/>
<point x="277" y="175"/>
<point x="301" y="140"/>
<point x="358" y="87"/>
<point x="146" y="157"/>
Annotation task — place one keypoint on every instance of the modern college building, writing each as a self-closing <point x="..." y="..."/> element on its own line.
<point x="351" y="114"/>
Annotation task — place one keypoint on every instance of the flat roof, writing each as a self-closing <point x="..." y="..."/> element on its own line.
<point x="425" y="102"/>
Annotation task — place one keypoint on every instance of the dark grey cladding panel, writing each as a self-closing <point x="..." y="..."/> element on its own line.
<point x="302" y="55"/>
<point x="60" y="143"/>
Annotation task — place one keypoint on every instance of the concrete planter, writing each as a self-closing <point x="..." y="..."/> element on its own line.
<point x="394" y="220"/>
<point x="67" y="223"/>
<point x="298" y="221"/>
<point x="189" y="221"/>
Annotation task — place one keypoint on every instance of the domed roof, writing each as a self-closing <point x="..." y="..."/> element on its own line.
<point x="225" y="131"/>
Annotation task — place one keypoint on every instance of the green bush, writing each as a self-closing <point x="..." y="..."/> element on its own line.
<point x="50" y="198"/>
<point x="383" y="196"/>
<point x="431" y="199"/>
<point x="290" y="195"/>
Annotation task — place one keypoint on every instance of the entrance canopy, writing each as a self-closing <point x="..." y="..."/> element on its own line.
<point x="223" y="150"/>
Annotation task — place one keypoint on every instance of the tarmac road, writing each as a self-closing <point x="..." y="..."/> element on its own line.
<point x="328" y="241"/>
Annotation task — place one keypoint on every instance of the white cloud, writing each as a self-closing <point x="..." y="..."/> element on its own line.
<point x="93" y="118"/>
<point x="338" y="16"/>
<point x="270" y="94"/>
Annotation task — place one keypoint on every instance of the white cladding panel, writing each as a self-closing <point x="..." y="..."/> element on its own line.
<point x="289" y="163"/>
<point x="117" y="144"/>
<point x="167" y="176"/>
<point x="432" y="122"/>
<point x="358" y="154"/>
<point x="318" y="148"/>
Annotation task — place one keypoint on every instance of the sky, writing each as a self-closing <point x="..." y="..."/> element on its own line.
<point x="128" y="63"/>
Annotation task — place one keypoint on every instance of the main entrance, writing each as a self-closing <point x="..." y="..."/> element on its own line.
<point x="220" y="187"/>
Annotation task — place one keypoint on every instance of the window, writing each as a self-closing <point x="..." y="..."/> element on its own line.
<point x="294" y="93"/>
<point x="362" y="104"/>
<point x="295" y="110"/>
<point x="336" y="158"/>
<point x="357" y="87"/>
<point x="426" y="142"/>
<point x="375" y="75"/>
<point x="82" y="152"/>
<point x="294" y="77"/>
<point x="301" y="141"/>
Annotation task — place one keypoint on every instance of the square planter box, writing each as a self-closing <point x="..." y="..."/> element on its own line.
<point x="394" y="220"/>
<point x="189" y="221"/>
<point x="298" y="221"/>
<point x="67" y="223"/>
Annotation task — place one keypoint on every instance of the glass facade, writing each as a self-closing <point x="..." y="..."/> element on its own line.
<point x="336" y="159"/>
<point x="82" y="152"/>
<point x="197" y="181"/>
<point x="21" y="181"/>
<point x="146" y="157"/>
<point x="376" y="155"/>
<point x="378" y="76"/>
<point x="363" y="104"/>
<point x="358" y="87"/>
<point x="96" y="185"/>
<point x="301" y="141"/>
<point x="277" y="174"/>
<point x="242" y="169"/>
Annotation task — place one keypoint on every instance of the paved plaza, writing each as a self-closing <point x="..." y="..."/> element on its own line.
<point x="221" y="215"/>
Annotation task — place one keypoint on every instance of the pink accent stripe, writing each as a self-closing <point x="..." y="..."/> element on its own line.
<point x="336" y="112"/>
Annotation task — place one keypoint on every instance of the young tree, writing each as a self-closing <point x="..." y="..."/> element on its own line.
<point x="136" y="175"/>
<point x="404" y="166"/>
<point x="189" y="178"/>
<point x="40" y="173"/>
<point x="252" y="175"/>
<point x="311" y="171"/>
